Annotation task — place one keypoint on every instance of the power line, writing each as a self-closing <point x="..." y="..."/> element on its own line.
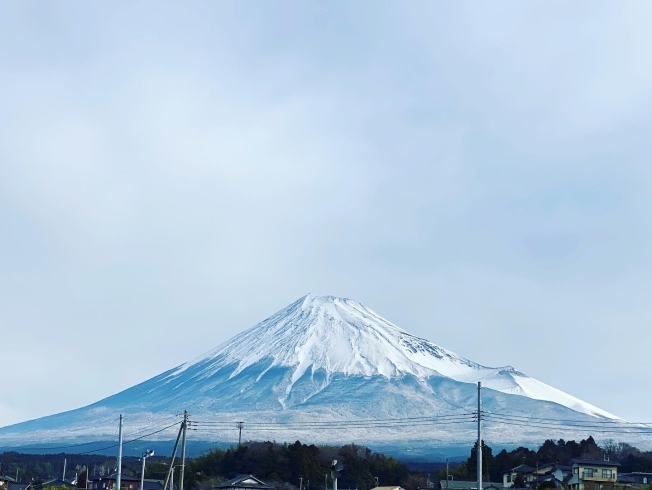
<point x="581" y="424"/>
<point x="339" y="427"/>
<point x="331" y="424"/>
<point x="544" y="425"/>
<point x="130" y="441"/>
<point x="341" y="421"/>
<point x="82" y="444"/>
<point x="610" y="422"/>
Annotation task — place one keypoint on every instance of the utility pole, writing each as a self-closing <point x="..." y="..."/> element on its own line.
<point x="446" y="473"/>
<point x="183" y="449"/>
<point x="172" y="479"/>
<point x="479" y="451"/>
<point x="174" y="455"/>
<point x="146" y="455"/>
<point x="239" y="425"/>
<point x="87" y="478"/>
<point x="300" y="483"/>
<point x="118" y="478"/>
<point x="326" y="481"/>
<point x="65" y="461"/>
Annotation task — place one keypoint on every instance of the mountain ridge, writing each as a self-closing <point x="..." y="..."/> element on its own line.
<point x="326" y="360"/>
<point x="314" y="321"/>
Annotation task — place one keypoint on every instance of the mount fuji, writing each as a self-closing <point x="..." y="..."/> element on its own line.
<point x="327" y="369"/>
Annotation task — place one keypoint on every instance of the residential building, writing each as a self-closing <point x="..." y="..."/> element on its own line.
<point x="593" y="474"/>
<point x="19" y="486"/>
<point x="56" y="482"/>
<point x="244" y="482"/>
<point x="5" y="481"/>
<point x="524" y="471"/>
<point x="108" y="482"/>
<point x="534" y="475"/>
<point x="149" y="484"/>
<point x="635" y="478"/>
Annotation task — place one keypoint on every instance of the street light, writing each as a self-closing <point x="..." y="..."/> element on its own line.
<point x="146" y="455"/>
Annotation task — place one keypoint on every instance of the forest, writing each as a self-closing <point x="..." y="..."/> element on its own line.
<point x="284" y="466"/>
<point x="562" y="452"/>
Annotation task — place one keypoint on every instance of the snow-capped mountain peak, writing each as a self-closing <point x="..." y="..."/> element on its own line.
<point x="328" y="360"/>
<point x="339" y="336"/>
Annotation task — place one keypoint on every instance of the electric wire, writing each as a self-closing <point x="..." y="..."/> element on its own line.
<point x="56" y="448"/>
<point x="543" y="419"/>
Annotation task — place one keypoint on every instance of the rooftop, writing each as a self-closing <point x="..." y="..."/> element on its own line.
<point x="522" y="469"/>
<point x="245" y="481"/>
<point x="595" y="462"/>
<point x="467" y="485"/>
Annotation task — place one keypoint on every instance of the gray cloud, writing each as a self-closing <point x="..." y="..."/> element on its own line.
<point x="171" y="175"/>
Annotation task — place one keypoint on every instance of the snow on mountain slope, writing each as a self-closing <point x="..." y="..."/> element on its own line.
<point x="342" y="336"/>
<point x="329" y="360"/>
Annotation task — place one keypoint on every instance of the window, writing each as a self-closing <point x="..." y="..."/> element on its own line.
<point x="606" y="474"/>
<point x="588" y="473"/>
<point x="645" y="480"/>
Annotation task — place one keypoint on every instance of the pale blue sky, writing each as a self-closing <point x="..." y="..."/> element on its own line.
<point x="170" y="174"/>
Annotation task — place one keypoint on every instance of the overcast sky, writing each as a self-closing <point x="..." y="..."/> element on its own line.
<point x="172" y="173"/>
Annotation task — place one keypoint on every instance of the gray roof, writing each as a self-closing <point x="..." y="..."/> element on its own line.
<point x="467" y="485"/>
<point x="56" y="482"/>
<point x="521" y="469"/>
<point x="626" y="479"/>
<point x="152" y="484"/>
<point x="18" y="486"/>
<point x="245" y="481"/>
<point x="595" y="462"/>
<point x="548" y="477"/>
<point x="113" y="476"/>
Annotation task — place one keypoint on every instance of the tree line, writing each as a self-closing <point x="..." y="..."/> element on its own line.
<point x="284" y="466"/>
<point x="288" y="465"/>
<point x="561" y="452"/>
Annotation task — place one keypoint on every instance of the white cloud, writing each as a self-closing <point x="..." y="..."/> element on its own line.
<point x="170" y="176"/>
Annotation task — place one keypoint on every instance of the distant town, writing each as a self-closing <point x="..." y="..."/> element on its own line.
<point x="563" y="465"/>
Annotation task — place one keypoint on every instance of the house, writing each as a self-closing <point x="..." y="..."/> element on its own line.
<point x="149" y="484"/>
<point x="108" y="482"/>
<point x="552" y="473"/>
<point x="524" y="471"/>
<point x="395" y="487"/>
<point x="635" y="478"/>
<point x="19" y="486"/>
<point x="561" y="472"/>
<point x="244" y="482"/>
<point x="56" y="482"/>
<point x="590" y="474"/>
<point x="531" y="476"/>
<point x="5" y="481"/>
